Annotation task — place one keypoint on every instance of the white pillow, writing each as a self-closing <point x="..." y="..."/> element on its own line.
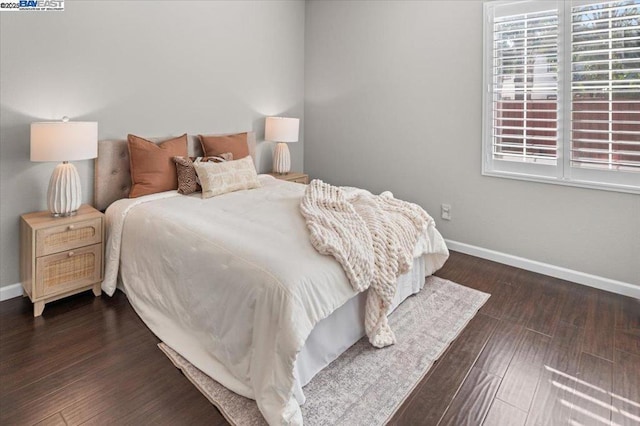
<point x="220" y="178"/>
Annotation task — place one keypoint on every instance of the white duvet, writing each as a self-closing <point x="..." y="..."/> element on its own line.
<point x="237" y="270"/>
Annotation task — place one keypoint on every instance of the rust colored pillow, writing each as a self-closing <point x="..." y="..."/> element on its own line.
<point x="187" y="179"/>
<point x="236" y="144"/>
<point x="152" y="168"/>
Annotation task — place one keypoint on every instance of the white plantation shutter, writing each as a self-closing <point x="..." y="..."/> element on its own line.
<point x="562" y="92"/>
<point x="605" y="85"/>
<point x="525" y="87"/>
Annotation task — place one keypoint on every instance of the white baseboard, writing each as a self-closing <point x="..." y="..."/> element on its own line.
<point x="10" y="291"/>
<point x="602" y="283"/>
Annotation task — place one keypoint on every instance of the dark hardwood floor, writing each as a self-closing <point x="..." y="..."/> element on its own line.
<point x="541" y="351"/>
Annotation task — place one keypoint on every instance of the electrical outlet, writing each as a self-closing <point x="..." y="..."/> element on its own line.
<point x="445" y="210"/>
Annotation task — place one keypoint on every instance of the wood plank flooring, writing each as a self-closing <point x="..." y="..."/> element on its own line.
<point x="542" y="351"/>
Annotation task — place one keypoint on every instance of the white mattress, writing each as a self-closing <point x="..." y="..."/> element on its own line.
<point x="233" y="284"/>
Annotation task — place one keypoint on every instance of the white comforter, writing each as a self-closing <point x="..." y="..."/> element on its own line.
<point x="238" y="270"/>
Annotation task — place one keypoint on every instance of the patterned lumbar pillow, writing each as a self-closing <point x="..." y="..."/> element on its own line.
<point x="220" y="178"/>
<point x="188" y="182"/>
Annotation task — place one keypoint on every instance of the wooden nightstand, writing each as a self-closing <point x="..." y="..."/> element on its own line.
<point x="292" y="177"/>
<point x="61" y="256"/>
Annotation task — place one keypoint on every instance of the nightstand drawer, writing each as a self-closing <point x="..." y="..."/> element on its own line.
<point x="65" y="237"/>
<point x="65" y="271"/>
<point x="304" y="179"/>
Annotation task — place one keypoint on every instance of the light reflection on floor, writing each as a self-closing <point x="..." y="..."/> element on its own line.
<point x="581" y="401"/>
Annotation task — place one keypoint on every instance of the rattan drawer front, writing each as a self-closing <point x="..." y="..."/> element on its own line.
<point x="65" y="237"/>
<point x="65" y="271"/>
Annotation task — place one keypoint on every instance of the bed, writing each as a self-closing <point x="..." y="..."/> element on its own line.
<point x="233" y="284"/>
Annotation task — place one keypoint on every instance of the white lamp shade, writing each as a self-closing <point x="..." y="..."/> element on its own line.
<point x="281" y="129"/>
<point x="64" y="141"/>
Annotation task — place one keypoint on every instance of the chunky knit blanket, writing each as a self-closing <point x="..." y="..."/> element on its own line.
<point x="373" y="237"/>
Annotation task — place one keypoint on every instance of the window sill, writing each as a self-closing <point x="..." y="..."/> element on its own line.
<point x="565" y="182"/>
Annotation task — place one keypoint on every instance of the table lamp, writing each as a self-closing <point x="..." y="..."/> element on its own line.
<point x="281" y="130"/>
<point x="64" y="141"/>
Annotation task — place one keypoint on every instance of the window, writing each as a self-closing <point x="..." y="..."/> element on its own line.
<point x="562" y="92"/>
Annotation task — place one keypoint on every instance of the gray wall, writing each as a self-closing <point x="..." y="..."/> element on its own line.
<point x="393" y="101"/>
<point x="149" y="68"/>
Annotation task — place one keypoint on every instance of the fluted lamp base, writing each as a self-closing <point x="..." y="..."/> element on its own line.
<point x="281" y="159"/>
<point x="64" y="195"/>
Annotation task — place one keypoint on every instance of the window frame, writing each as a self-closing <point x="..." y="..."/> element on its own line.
<point x="562" y="173"/>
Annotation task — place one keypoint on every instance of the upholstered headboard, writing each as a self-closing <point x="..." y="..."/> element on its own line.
<point x="112" y="176"/>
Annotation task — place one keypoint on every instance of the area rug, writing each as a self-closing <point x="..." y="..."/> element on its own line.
<point x="365" y="385"/>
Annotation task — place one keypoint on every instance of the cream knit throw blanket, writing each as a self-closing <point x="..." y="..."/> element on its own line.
<point x="372" y="236"/>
